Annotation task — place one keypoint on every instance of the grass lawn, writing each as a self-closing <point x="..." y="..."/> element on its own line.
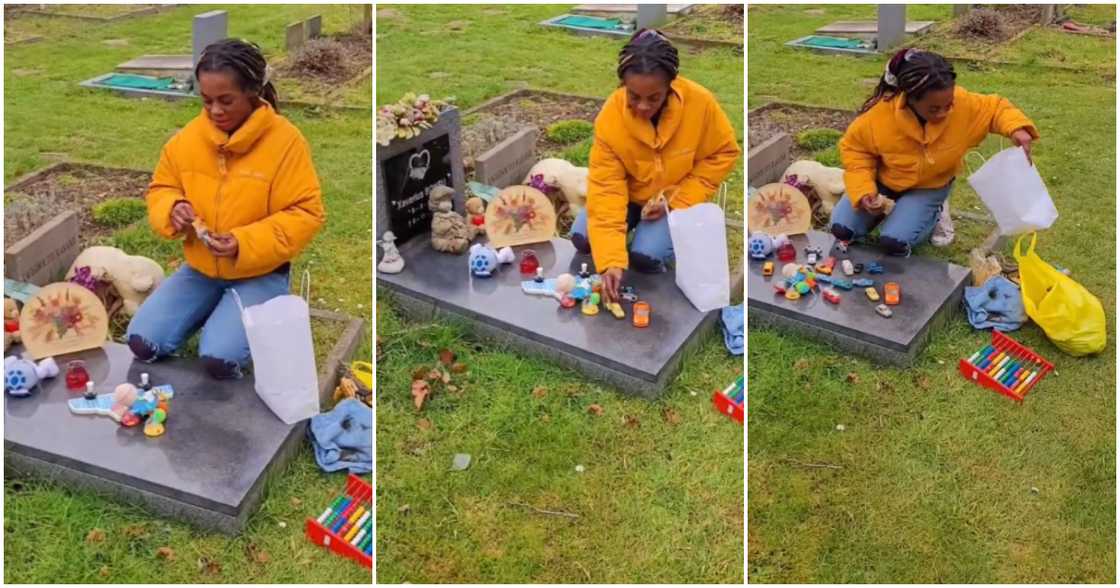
<point x="660" y="497"/>
<point x="47" y="117"/>
<point x="939" y="480"/>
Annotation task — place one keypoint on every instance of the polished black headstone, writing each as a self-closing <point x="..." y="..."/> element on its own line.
<point x="641" y="361"/>
<point x="209" y="466"/>
<point x="931" y="291"/>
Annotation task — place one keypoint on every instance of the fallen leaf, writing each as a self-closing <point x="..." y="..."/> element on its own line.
<point x="420" y="373"/>
<point x="671" y="416"/>
<point x="452" y="388"/>
<point x="209" y="567"/>
<point x="853" y="378"/>
<point x="445" y="377"/>
<point x="458" y="368"/>
<point x="103" y="572"/>
<point x="595" y="409"/>
<point x="423" y="424"/>
<point x="256" y="554"/>
<point x="922" y="382"/>
<point x="545" y="418"/>
<point x="95" y="536"/>
<point x="135" y="531"/>
<point x="424" y="344"/>
<point x="404" y="509"/>
<point x="296" y="502"/>
<point x="631" y="422"/>
<point x="446" y="356"/>
<point x="434" y="374"/>
<point x="166" y="553"/>
<point x="801" y="364"/>
<point x="420" y="392"/>
<point x="540" y="392"/>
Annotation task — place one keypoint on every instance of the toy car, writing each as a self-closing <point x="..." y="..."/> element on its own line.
<point x="872" y="294"/>
<point x="874" y="268"/>
<point x="628" y="297"/>
<point x="641" y="314"/>
<point x="858" y="268"/>
<point x="863" y="282"/>
<point x="812" y="255"/>
<point x="884" y="311"/>
<point x="847" y="266"/>
<point x="792" y="294"/>
<point x="825" y="267"/>
<point x="841" y="283"/>
<point x="831" y="295"/>
<point x="768" y="269"/>
<point x="892" y="294"/>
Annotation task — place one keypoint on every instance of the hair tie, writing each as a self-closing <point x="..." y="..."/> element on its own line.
<point x="267" y="75"/>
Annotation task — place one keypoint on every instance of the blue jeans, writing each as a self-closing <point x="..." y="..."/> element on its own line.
<point x="910" y="223"/>
<point x="189" y="300"/>
<point x="651" y="248"/>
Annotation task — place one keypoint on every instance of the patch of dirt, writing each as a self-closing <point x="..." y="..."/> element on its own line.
<point x="996" y="23"/>
<point x="722" y="22"/>
<point x="767" y="121"/>
<point x="69" y="187"/>
<point x="330" y="60"/>
<point x="496" y="123"/>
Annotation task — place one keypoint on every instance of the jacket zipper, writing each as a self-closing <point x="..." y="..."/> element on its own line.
<point x="222" y="170"/>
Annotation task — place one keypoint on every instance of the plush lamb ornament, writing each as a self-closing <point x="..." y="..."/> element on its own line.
<point x="22" y="376"/>
<point x="812" y="176"/>
<point x="132" y="276"/>
<point x="558" y="175"/>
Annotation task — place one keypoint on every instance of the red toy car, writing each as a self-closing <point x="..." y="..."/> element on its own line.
<point x="831" y="295"/>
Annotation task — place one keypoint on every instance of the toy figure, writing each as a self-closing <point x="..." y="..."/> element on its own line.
<point x="449" y="230"/>
<point x="591" y="305"/>
<point x="565" y="283"/>
<point x="615" y="309"/>
<point x="391" y="260"/>
<point x="11" y="323"/>
<point x="476" y="217"/>
<point x="761" y="245"/>
<point x="154" y="426"/>
<point x="483" y="261"/>
<point x="123" y="397"/>
<point x="22" y="376"/>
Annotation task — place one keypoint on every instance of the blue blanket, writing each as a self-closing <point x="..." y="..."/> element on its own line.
<point x="996" y="304"/>
<point x="731" y="317"/>
<point x="343" y="437"/>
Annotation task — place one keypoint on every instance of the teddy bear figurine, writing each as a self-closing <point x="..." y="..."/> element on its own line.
<point x="476" y="217"/>
<point x="449" y="230"/>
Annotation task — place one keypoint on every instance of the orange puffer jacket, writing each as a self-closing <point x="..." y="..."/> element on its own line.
<point x="258" y="184"/>
<point x="693" y="147"/>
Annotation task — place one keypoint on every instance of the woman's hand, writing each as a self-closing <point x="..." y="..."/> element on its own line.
<point x="653" y="213"/>
<point x="1023" y="139"/>
<point x="873" y="204"/>
<point x="182" y="215"/>
<point x="612" y="280"/>
<point x="224" y="245"/>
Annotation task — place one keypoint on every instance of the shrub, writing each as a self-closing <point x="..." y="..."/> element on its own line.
<point x="829" y="157"/>
<point x="982" y="23"/>
<point x="567" y="132"/>
<point x="578" y="154"/>
<point x="119" y="212"/>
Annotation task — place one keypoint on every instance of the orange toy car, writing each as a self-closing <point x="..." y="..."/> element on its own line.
<point x="892" y="294"/>
<point x="641" y="314"/>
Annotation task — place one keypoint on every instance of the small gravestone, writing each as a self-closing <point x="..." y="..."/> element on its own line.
<point x="44" y="256"/>
<point x="407" y="170"/>
<point x="207" y="28"/>
<point x="506" y="163"/>
<point x="295" y="35"/>
<point x="892" y="25"/>
<point x="767" y="162"/>
<point x="315" y="27"/>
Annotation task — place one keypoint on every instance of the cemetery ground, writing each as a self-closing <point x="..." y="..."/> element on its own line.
<point x="934" y="479"/>
<point x="658" y="496"/>
<point x="55" y="534"/>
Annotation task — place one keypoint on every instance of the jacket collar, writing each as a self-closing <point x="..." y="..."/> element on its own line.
<point x="244" y="137"/>
<point x="671" y="115"/>
<point x="906" y="120"/>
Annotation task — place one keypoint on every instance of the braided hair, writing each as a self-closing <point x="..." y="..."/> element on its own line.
<point x="647" y="52"/>
<point x="912" y="72"/>
<point x="245" y="61"/>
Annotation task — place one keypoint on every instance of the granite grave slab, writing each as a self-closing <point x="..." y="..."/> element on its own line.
<point x="209" y="467"/>
<point x="931" y="292"/>
<point x="436" y="285"/>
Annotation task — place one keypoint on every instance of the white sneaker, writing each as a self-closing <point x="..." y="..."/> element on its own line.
<point x="943" y="232"/>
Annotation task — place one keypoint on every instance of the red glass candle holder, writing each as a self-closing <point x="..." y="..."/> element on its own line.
<point x="76" y="376"/>
<point x="529" y="262"/>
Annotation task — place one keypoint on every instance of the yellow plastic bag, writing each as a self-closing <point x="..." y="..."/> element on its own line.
<point x="1069" y="314"/>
